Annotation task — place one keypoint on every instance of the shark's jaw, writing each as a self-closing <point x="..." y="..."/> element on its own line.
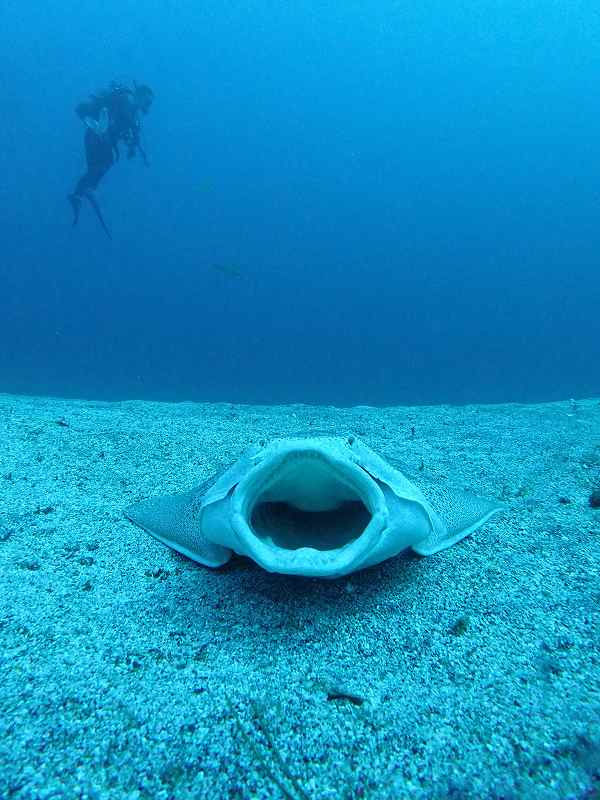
<point x="304" y="511"/>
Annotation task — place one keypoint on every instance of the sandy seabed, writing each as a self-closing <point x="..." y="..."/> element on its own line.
<point x="128" y="671"/>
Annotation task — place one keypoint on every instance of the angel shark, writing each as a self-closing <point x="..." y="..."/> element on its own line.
<point x="321" y="506"/>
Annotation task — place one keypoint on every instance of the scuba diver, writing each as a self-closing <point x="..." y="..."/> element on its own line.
<point x="111" y="117"/>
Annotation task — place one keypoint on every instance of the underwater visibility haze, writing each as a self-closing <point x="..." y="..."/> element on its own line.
<point x="345" y="203"/>
<point x="363" y="240"/>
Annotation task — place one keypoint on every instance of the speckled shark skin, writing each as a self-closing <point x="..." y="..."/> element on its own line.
<point x="319" y="506"/>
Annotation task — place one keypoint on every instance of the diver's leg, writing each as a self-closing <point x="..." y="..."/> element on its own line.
<point x="99" y="158"/>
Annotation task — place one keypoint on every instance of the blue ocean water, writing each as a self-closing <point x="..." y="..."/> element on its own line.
<point x="346" y="202"/>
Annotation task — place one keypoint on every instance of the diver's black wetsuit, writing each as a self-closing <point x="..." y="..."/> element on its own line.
<point x="102" y="147"/>
<point x="99" y="157"/>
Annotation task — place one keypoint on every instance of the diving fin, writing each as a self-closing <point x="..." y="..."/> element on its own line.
<point x="94" y="204"/>
<point x="75" y="201"/>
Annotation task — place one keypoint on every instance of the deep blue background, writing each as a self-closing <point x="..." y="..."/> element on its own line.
<point x="410" y="191"/>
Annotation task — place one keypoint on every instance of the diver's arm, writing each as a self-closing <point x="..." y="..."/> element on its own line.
<point x="134" y="143"/>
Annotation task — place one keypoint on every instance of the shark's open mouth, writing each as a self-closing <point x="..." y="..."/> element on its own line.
<point x="286" y="526"/>
<point x="306" y="508"/>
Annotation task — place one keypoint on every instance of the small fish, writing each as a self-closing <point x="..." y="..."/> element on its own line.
<point x="228" y="269"/>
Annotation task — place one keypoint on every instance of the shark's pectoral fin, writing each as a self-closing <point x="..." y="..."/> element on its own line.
<point x="459" y="515"/>
<point x="174" y="521"/>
